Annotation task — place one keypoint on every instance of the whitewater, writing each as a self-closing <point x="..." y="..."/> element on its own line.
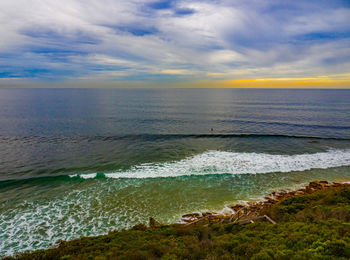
<point x="221" y="162"/>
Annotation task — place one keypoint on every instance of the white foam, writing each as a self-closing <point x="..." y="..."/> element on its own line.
<point x="225" y="211"/>
<point x="219" y="162"/>
<point x="84" y="176"/>
<point x="74" y="210"/>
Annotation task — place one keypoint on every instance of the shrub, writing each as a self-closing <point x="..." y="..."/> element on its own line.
<point x="310" y="227"/>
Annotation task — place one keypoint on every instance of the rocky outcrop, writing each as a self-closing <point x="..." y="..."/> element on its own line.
<point x="252" y="210"/>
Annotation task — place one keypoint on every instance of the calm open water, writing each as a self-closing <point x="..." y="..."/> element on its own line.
<point x="79" y="162"/>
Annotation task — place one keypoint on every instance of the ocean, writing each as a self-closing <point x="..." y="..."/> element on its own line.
<point x="82" y="162"/>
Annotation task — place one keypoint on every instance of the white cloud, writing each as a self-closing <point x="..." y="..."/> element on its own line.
<point x="237" y="38"/>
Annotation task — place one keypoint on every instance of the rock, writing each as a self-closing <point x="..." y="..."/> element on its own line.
<point x="272" y="201"/>
<point x="140" y="227"/>
<point x="237" y="207"/>
<point x="253" y="209"/>
<point x="315" y="185"/>
<point x="309" y="190"/>
<point x="192" y="215"/>
<point x="153" y="223"/>
<point x="216" y="218"/>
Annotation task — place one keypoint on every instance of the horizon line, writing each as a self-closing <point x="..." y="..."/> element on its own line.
<point x="324" y="82"/>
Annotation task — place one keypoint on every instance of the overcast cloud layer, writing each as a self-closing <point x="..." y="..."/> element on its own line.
<point x="108" y="40"/>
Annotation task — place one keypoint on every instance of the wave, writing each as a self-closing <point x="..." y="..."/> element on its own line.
<point x="70" y="211"/>
<point x="151" y="137"/>
<point x="220" y="162"/>
<point x="155" y="137"/>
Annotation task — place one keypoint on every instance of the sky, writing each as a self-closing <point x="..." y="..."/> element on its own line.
<point x="228" y="43"/>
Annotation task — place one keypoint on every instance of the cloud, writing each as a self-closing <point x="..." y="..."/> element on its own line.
<point x="176" y="72"/>
<point x="110" y="40"/>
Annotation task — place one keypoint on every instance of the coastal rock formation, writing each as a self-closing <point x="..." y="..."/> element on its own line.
<point x="154" y="223"/>
<point x="253" y="210"/>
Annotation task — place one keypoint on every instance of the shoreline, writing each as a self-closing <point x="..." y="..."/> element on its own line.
<point x="251" y="209"/>
<point x="276" y="228"/>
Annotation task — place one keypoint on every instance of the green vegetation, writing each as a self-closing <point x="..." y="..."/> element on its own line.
<point x="313" y="226"/>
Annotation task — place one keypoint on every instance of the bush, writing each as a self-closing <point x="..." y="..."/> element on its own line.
<point x="310" y="227"/>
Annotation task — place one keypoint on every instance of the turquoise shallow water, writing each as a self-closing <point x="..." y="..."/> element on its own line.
<point x="82" y="162"/>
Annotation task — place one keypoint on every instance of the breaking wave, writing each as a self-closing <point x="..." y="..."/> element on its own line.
<point x="220" y="162"/>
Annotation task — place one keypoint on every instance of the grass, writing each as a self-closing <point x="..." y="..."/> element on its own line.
<point x="314" y="226"/>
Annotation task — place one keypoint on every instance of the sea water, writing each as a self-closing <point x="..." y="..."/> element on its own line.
<point x="82" y="162"/>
